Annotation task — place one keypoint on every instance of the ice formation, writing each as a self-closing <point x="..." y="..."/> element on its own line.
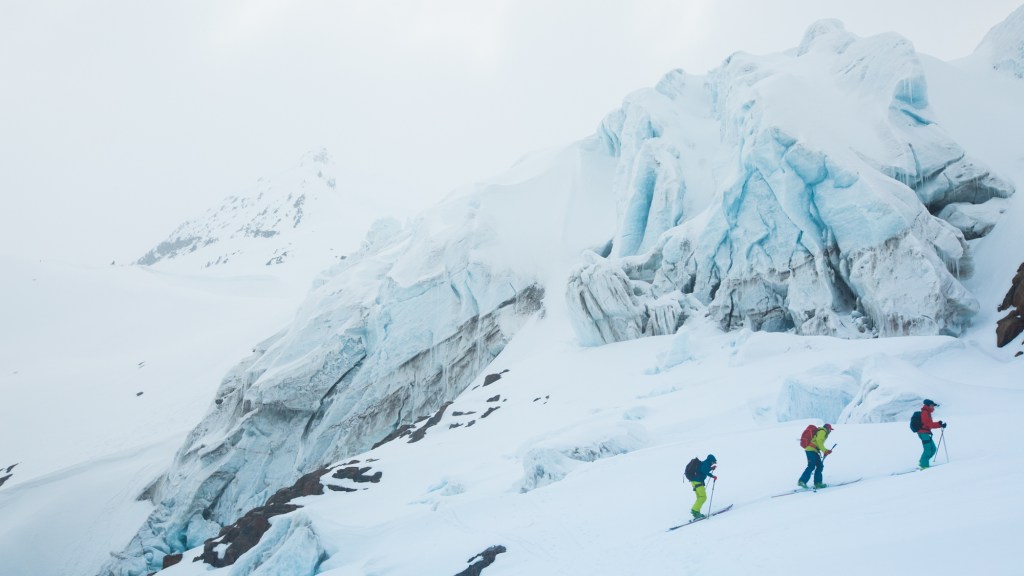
<point x="807" y="191"/>
<point x="386" y="336"/>
<point x="803" y="191"/>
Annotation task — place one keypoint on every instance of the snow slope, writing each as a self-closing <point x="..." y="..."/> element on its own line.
<point x="572" y="460"/>
<point x="364" y="356"/>
<point x="824" y="191"/>
<point x="579" y="468"/>
<point x="103" y="371"/>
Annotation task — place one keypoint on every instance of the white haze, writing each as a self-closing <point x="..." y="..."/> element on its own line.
<point x="119" y="120"/>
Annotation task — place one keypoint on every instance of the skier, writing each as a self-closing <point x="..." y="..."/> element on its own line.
<point x="814" y="446"/>
<point x="697" y="472"/>
<point x="924" y="432"/>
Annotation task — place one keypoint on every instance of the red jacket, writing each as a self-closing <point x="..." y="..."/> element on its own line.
<point x="927" y="424"/>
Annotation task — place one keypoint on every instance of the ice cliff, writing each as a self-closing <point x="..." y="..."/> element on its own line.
<point x="386" y="336"/>
<point x="804" y="191"/>
<point x="810" y="191"/>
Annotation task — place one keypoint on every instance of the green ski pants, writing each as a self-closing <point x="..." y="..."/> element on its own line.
<point x="702" y="495"/>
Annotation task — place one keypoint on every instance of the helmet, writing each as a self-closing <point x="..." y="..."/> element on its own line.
<point x="828" y="427"/>
<point x="928" y="402"/>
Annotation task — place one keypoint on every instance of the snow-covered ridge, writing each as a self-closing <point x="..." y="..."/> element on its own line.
<point x="386" y="336"/>
<point x="1003" y="47"/>
<point x="798" y="191"/>
<point x="277" y="222"/>
<point x="812" y="191"/>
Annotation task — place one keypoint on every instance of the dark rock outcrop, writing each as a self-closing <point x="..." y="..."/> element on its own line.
<point x="6" y="474"/>
<point x="492" y="378"/>
<point x="486" y="558"/>
<point x="356" y="474"/>
<point x="171" y="560"/>
<point x="246" y="532"/>
<point x="1012" y="325"/>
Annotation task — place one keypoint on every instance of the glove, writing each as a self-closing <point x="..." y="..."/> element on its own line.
<point x="713" y="476"/>
<point x="827" y="452"/>
<point x="713" y="466"/>
<point x="943" y="424"/>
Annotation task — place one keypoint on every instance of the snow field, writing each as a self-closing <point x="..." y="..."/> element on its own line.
<point x="77" y="345"/>
<point x="611" y="439"/>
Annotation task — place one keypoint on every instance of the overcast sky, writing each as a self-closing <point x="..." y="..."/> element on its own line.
<point x="119" y="119"/>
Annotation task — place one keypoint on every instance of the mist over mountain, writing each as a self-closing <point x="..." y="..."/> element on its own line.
<point x="512" y="381"/>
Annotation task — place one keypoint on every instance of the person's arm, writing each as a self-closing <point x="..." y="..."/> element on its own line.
<point x="708" y="470"/>
<point x="819" y="441"/>
<point x="927" y="423"/>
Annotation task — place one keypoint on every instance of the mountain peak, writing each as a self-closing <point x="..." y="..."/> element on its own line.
<point x="274" y="222"/>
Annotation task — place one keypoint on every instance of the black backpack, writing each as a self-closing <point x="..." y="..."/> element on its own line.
<point x="915" y="422"/>
<point x="692" y="469"/>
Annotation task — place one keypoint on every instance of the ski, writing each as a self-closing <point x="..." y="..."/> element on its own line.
<point x="918" y="469"/>
<point x="802" y="490"/>
<point x="715" y="513"/>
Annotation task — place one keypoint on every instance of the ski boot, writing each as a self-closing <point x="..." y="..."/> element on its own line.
<point x="820" y="485"/>
<point x="697" y="515"/>
<point x="802" y="484"/>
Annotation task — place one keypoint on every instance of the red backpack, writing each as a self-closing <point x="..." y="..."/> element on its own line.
<point x="807" y="438"/>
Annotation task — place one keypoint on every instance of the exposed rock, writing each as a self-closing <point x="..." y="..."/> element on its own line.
<point x="492" y="378"/>
<point x="357" y="474"/>
<point x="421" y="432"/>
<point x="402" y="430"/>
<point x="238" y="538"/>
<point x="1012" y="325"/>
<point x="5" y="475"/>
<point x="486" y="558"/>
<point x="171" y="560"/>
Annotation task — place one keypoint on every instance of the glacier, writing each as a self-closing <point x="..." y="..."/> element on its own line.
<point x="810" y="191"/>
<point x="389" y="334"/>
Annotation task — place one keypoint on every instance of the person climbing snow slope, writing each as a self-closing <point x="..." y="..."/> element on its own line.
<point x="813" y="442"/>
<point x="923" y="425"/>
<point x="697" y="472"/>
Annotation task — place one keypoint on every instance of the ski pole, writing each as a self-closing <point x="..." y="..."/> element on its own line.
<point x="712" y="499"/>
<point x="829" y="451"/>
<point x="942" y="435"/>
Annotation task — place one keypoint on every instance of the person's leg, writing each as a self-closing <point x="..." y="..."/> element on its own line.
<point x="928" y="444"/>
<point x="819" y="467"/>
<point x="810" y="467"/>
<point x="702" y="497"/>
